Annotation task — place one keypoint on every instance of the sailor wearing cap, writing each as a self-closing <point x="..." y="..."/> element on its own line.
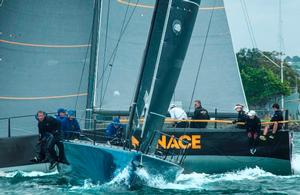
<point x="178" y="113"/>
<point x="72" y="126"/>
<point x="114" y="131"/>
<point x="239" y="108"/>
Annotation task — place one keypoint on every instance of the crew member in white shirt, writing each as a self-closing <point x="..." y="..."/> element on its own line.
<point x="178" y="113"/>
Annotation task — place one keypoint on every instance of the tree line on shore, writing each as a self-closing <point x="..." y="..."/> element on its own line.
<point x="261" y="77"/>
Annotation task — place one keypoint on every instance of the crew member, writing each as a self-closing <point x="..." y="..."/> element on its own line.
<point x="49" y="131"/>
<point x="242" y="116"/>
<point x="253" y="126"/>
<point x="178" y="113"/>
<point x="72" y="126"/>
<point x="114" y="131"/>
<point x="61" y="116"/>
<point x="199" y="114"/>
<point x="275" y="126"/>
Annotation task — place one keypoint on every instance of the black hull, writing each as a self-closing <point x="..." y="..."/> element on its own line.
<point x="234" y="142"/>
<point x="16" y="153"/>
<point x="220" y="150"/>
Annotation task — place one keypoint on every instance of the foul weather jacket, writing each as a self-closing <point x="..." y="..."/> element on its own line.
<point x="253" y="125"/>
<point x="48" y="125"/>
<point x="200" y="114"/>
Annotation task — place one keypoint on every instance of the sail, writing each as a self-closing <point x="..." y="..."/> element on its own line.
<point x="44" y="50"/>
<point x="179" y="19"/>
<point x="49" y="43"/>
<point x="124" y="31"/>
<point x="219" y="84"/>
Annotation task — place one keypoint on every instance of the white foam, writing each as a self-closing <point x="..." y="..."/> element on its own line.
<point x="296" y="163"/>
<point x="248" y="173"/>
<point x="198" y="180"/>
<point x="121" y="177"/>
<point x="87" y="184"/>
<point x="26" y="174"/>
<point x="118" y="182"/>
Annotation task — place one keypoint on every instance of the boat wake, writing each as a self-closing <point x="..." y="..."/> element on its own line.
<point x="244" y="181"/>
<point x="202" y="181"/>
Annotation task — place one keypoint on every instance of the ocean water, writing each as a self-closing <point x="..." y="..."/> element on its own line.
<point x="247" y="181"/>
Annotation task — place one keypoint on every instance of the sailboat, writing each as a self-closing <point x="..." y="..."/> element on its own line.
<point x="216" y="149"/>
<point x="219" y="85"/>
<point x="169" y="35"/>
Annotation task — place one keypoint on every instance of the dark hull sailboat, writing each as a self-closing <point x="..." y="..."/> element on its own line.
<point x="221" y="150"/>
<point x="212" y="151"/>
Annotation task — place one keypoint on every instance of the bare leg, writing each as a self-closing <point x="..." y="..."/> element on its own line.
<point x="266" y="130"/>
<point x="275" y="127"/>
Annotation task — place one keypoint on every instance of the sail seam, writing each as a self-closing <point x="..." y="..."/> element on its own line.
<point x="43" y="45"/>
<point x="41" y="98"/>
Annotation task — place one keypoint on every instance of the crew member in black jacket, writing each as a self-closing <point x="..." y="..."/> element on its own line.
<point x="253" y="126"/>
<point x="276" y="125"/>
<point x="50" y="135"/>
<point x="199" y="114"/>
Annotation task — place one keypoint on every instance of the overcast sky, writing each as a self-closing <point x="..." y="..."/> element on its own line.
<point x="264" y="16"/>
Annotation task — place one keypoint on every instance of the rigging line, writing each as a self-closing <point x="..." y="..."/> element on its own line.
<point x="113" y="59"/>
<point x="251" y="32"/>
<point x="114" y="51"/>
<point x="248" y="23"/>
<point x="106" y="86"/>
<point x="83" y="68"/>
<point x="113" y="56"/>
<point x="202" y="55"/>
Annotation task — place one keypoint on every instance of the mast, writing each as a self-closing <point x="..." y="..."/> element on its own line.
<point x="281" y="51"/>
<point x="93" y="67"/>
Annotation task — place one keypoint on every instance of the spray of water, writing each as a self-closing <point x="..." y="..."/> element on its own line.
<point x="199" y="180"/>
<point x="296" y="163"/>
<point x="118" y="183"/>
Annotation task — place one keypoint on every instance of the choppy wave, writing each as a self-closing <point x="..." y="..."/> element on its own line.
<point x="26" y="174"/>
<point x="119" y="183"/>
<point x="200" y="181"/>
<point x="239" y="180"/>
